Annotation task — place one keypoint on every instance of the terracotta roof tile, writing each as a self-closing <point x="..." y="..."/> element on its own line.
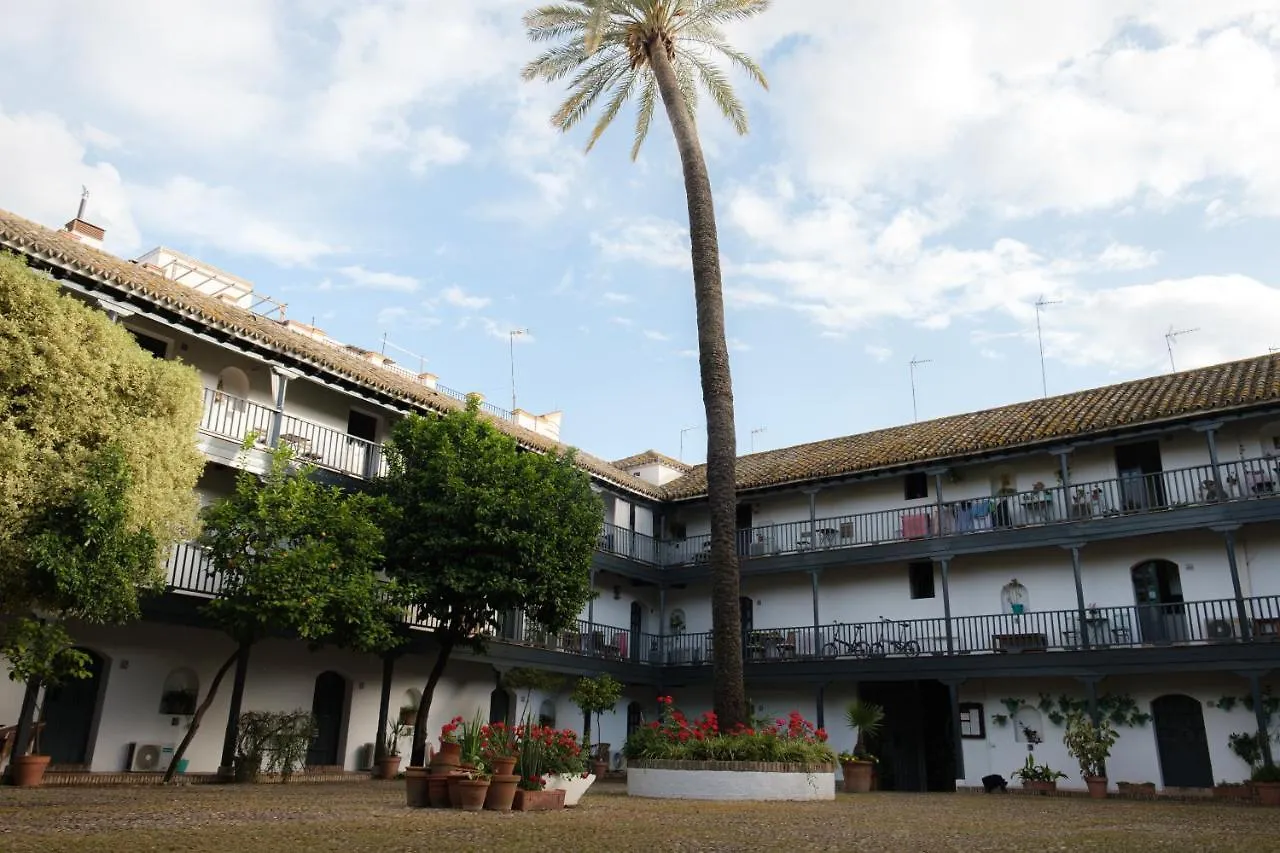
<point x="1219" y="388"/>
<point x="648" y="457"/>
<point x="60" y="249"/>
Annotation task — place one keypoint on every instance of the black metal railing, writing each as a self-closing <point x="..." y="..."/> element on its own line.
<point x="1127" y="495"/>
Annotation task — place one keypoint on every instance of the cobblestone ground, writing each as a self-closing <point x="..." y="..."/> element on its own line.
<point x="372" y="816"/>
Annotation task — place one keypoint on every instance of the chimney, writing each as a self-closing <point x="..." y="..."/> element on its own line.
<point x="82" y="231"/>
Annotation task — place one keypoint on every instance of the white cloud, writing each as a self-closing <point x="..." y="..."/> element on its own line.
<point x="1118" y="256"/>
<point x="877" y="352"/>
<point x="620" y="298"/>
<point x="433" y="146"/>
<point x="654" y="241"/>
<point x="392" y="315"/>
<point x="372" y="280"/>
<point x="459" y="298"/>
<point x="655" y="335"/>
<point x="622" y="321"/>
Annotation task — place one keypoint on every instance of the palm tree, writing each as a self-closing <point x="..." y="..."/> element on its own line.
<point x="616" y="49"/>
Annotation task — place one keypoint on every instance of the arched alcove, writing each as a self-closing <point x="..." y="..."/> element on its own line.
<point x="180" y="692"/>
<point x="234" y="383"/>
<point x="547" y="713"/>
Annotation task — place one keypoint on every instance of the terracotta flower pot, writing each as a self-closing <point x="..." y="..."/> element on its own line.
<point x="472" y="793"/>
<point x="600" y="768"/>
<point x="1040" y="787"/>
<point x="502" y="793"/>
<point x="388" y="767"/>
<point x="438" y="791"/>
<point x="1268" y="793"/>
<point x="1097" y="786"/>
<point x="455" y="794"/>
<point x="28" y="770"/>
<point x="450" y="753"/>
<point x="538" y="801"/>
<point x="504" y="766"/>
<point x="415" y="787"/>
<point x="857" y="776"/>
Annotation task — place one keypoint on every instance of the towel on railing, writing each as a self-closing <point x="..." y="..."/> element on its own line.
<point x="915" y="526"/>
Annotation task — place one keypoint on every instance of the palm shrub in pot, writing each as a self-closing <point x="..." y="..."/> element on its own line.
<point x="1040" y="778"/>
<point x="866" y="720"/>
<point x="1090" y="745"/>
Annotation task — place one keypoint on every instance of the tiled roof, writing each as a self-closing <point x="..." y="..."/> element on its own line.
<point x="648" y="457"/>
<point x="1220" y="388"/>
<point x="61" y="249"/>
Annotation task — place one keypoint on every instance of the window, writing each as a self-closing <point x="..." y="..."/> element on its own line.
<point x="916" y="486"/>
<point x="972" y="722"/>
<point x="921" y="577"/>
<point x="156" y="346"/>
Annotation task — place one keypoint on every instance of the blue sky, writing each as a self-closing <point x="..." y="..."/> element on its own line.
<point x="916" y="178"/>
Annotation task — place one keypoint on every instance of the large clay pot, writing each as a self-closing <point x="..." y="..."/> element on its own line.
<point x="471" y="794"/>
<point x="502" y="793"/>
<point x="504" y="766"/>
<point x="415" y="787"/>
<point x="455" y="795"/>
<point x="388" y="767"/>
<point x="538" y="801"/>
<point x="438" y="791"/>
<point x="28" y="770"/>
<point x="450" y="753"/>
<point x="857" y="776"/>
<point x="1097" y="786"/>
<point x="1041" y="788"/>
<point x="1268" y="793"/>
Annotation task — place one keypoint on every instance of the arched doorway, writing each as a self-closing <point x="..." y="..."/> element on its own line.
<point x="328" y="706"/>
<point x="1181" y="742"/>
<point x="68" y="714"/>
<point x="500" y="706"/>
<point x="1157" y="592"/>
<point x="635" y="717"/>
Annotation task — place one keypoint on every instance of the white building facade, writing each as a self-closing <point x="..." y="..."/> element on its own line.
<point x="1115" y="549"/>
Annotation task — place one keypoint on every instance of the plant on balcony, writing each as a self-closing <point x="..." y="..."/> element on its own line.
<point x="475" y="527"/>
<point x="1090" y="745"/>
<point x="292" y="556"/>
<point x="675" y="737"/>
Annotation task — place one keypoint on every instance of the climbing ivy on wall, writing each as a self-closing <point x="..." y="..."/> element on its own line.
<point x="1120" y="710"/>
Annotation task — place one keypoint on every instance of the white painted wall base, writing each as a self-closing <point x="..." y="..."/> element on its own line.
<point x="729" y="785"/>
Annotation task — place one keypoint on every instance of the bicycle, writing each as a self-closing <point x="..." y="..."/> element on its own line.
<point x="907" y="646"/>
<point x="859" y="648"/>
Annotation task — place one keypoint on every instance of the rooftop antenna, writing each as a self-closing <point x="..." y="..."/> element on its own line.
<point x="513" y="334"/>
<point x="1169" y="338"/>
<point x="915" y="362"/>
<point x="682" y="432"/>
<point x="753" y="437"/>
<point x="1040" y="304"/>
<point x="84" y="200"/>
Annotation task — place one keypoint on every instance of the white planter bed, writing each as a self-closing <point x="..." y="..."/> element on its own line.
<point x="730" y="780"/>
<point x="574" y="786"/>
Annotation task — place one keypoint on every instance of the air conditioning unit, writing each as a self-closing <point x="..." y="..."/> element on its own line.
<point x="364" y="757"/>
<point x="150" y="757"/>
<point x="1219" y="629"/>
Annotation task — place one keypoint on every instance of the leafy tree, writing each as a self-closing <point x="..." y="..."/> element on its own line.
<point x="297" y="558"/>
<point x="616" y="49"/>
<point x="595" y="696"/>
<point x="476" y="527"/>
<point x="97" y="472"/>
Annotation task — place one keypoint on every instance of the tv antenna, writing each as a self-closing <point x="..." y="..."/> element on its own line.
<point x="1040" y="304"/>
<point x="754" y="432"/>
<point x="915" y="362"/>
<point x="682" y="432"/>
<point x="1169" y="339"/>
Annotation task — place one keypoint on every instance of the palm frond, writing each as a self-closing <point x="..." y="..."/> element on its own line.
<point x="622" y="92"/>
<point x="555" y="63"/>
<point x="555" y="21"/>
<point x="716" y="84"/>
<point x="589" y="87"/>
<point x="600" y="14"/>
<point x="736" y="58"/>
<point x="644" y="112"/>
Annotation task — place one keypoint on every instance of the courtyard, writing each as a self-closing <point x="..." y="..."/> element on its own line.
<point x="371" y="816"/>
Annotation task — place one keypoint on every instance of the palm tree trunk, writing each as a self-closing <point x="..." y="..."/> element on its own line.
<point x="717" y="397"/>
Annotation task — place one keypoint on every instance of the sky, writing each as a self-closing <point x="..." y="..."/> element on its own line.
<point x="916" y="178"/>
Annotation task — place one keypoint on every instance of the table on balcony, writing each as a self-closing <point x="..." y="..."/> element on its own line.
<point x="301" y="446"/>
<point x="1033" y="642"/>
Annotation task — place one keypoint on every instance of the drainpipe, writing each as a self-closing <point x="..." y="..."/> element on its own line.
<point x="1242" y="613"/>
<point x="945" y="564"/>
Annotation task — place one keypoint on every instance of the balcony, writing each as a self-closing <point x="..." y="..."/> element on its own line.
<point x="1048" y="506"/>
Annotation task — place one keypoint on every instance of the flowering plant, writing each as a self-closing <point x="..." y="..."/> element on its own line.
<point x="676" y="737"/>
<point x="859" y="756"/>
<point x="498" y="741"/>
<point x="449" y="731"/>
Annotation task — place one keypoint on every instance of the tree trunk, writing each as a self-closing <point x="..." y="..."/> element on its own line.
<point x="729" y="695"/>
<point x="418" y="757"/>
<point x="199" y="715"/>
<point x="233" y="715"/>
<point x="384" y="707"/>
<point x="26" y="724"/>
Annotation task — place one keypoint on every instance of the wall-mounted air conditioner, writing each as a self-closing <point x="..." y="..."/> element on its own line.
<point x="1219" y="629"/>
<point x="364" y="757"/>
<point x="150" y="757"/>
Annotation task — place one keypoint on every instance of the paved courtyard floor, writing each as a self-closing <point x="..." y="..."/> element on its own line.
<point x="372" y="817"/>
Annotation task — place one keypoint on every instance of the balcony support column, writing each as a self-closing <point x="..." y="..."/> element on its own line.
<point x="953" y="694"/>
<point x="1211" y="441"/>
<point x="944" y="565"/>
<point x="384" y="706"/>
<point x="1260" y="716"/>
<point x="661" y="632"/>
<point x="817" y="629"/>
<point x="937" y="498"/>
<point x="1064" y="474"/>
<point x="813" y="517"/>
<point x="1083" y="629"/>
<point x="1242" y="612"/>
<point x="820" y="710"/>
<point x="591" y="602"/>
<point x="279" y="387"/>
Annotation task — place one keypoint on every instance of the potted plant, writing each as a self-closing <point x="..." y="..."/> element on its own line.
<point x="389" y="763"/>
<point x="1266" y="781"/>
<point x="530" y="766"/>
<point x="595" y="696"/>
<point x="1146" y="789"/>
<point x="500" y="751"/>
<point x="866" y="720"/>
<point x="1090" y="745"/>
<point x="408" y="715"/>
<point x="469" y="738"/>
<point x="473" y="787"/>
<point x="1038" y="778"/>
